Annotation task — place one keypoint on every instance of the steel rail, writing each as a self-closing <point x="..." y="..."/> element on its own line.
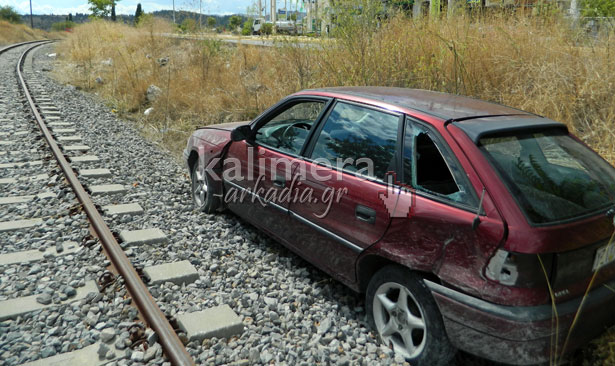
<point x="14" y="45"/>
<point x="173" y="347"/>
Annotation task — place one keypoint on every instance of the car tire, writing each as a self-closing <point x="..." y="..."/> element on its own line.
<point x="203" y="196"/>
<point x="411" y="325"/>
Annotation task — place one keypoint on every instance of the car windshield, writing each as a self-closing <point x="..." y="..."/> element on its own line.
<point x="552" y="176"/>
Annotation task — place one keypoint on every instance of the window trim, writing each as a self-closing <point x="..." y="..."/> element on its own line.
<point x="309" y="148"/>
<point x="449" y="159"/>
<point x="280" y="107"/>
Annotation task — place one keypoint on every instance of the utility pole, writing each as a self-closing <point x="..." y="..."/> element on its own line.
<point x="574" y="10"/>
<point x="31" y="21"/>
<point x="174" y="12"/>
<point x="260" y="9"/>
<point x="200" y="15"/>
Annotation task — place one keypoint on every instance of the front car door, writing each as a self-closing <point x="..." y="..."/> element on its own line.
<point x="258" y="171"/>
<point x="339" y="208"/>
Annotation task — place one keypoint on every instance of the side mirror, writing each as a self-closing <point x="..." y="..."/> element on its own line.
<point x="241" y="133"/>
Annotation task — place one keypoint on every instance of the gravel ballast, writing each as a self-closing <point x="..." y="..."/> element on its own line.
<point x="65" y="321"/>
<point x="292" y="312"/>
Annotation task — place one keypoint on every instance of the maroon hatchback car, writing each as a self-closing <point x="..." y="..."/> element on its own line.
<point x="468" y="225"/>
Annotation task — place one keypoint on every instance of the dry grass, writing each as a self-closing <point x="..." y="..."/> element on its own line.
<point x="13" y="33"/>
<point x="541" y="66"/>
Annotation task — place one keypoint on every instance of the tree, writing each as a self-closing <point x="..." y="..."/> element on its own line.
<point x="234" y="22"/>
<point x="103" y="8"/>
<point x="211" y="22"/>
<point x="138" y="13"/>
<point x="113" y="18"/>
<point x="9" y="14"/>
<point x="70" y="17"/>
<point x="100" y="8"/>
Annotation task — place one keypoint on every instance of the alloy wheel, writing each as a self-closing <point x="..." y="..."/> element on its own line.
<point x="399" y="319"/>
<point x="199" y="190"/>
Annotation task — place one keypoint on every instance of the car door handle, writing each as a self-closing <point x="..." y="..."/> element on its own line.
<point x="279" y="181"/>
<point x="365" y="214"/>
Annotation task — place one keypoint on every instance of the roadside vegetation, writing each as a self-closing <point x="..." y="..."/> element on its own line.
<point x="534" y="63"/>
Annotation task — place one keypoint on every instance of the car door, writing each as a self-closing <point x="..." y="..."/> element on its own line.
<point x="437" y="233"/>
<point x="338" y="208"/>
<point x="258" y="171"/>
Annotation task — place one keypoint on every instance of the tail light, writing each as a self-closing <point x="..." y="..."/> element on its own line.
<point x="519" y="269"/>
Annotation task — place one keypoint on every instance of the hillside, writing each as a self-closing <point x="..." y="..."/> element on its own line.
<point x="13" y="33"/>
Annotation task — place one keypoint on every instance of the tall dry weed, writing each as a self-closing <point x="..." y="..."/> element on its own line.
<point x="538" y="64"/>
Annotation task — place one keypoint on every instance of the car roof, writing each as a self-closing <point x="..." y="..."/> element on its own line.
<point x="440" y="105"/>
<point x="475" y="117"/>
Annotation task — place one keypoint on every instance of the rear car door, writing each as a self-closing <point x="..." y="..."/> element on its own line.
<point x="437" y="232"/>
<point x="339" y="210"/>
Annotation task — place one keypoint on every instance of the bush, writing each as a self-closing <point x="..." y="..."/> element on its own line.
<point x="267" y="28"/>
<point x="188" y="25"/>
<point x="247" y="27"/>
<point x="10" y="15"/>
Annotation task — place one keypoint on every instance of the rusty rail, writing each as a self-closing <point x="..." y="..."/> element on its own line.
<point x="173" y="347"/>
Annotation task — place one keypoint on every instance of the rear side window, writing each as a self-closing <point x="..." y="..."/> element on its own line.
<point x="425" y="167"/>
<point x="552" y="176"/>
<point x="358" y="139"/>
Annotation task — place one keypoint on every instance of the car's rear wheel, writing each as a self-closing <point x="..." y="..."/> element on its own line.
<point x="405" y="315"/>
<point x="202" y="194"/>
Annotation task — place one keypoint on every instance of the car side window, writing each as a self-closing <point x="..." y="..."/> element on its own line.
<point x="426" y="169"/>
<point x="288" y="130"/>
<point x="358" y="139"/>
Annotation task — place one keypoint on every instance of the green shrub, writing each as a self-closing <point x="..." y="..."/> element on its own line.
<point x="267" y="28"/>
<point x="9" y="14"/>
<point x="247" y="27"/>
<point x="188" y="25"/>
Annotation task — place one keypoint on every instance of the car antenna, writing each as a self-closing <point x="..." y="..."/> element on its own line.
<point x="476" y="221"/>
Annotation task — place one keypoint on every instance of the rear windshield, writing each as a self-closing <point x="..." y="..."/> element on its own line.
<point x="552" y="176"/>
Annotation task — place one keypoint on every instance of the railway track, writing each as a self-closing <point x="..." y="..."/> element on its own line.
<point x="43" y="150"/>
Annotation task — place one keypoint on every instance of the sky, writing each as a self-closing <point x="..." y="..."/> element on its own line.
<point x="128" y="6"/>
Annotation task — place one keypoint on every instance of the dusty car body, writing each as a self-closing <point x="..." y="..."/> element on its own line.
<point x="461" y="236"/>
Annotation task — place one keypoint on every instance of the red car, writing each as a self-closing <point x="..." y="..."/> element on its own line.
<point x="468" y="225"/>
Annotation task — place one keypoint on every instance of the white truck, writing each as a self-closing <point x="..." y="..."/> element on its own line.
<point x="280" y="26"/>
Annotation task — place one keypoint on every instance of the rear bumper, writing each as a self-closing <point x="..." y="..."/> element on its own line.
<point x="522" y="335"/>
